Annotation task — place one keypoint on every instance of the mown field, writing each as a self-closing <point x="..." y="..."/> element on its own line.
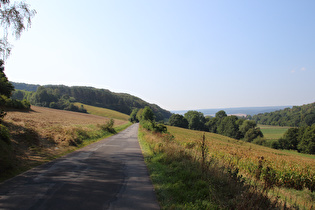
<point x="272" y="176"/>
<point x="104" y="112"/>
<point x="273" y="132"/>
<point x="42" y="134"/>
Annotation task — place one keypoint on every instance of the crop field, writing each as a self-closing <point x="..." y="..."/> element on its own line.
<point x="104" y="112"/>
<point x="273" y="132"/>
<point x="290" y="176"/>
<point x="43" y="134"/>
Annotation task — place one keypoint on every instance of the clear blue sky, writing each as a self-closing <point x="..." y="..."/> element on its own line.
<point x="178" y="54"/>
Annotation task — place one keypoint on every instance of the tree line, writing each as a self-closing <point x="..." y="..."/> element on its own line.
<point x="231" y="126"/>
<point x="296" y="116"/>
<point x="146" y="117"/>
<point x="62" y="97"/>
<point x="301" y="139"/>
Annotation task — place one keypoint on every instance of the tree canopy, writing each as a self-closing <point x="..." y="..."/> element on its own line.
<point x="14" y="17"/>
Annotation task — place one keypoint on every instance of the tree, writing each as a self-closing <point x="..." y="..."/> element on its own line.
<point x="15" y="17"/>
<point x="6" y="89"/>
<point x="133" y="115"/>
<point x="196" y="120"/>
<point x="252" y="134"/>
<point x="147" y="114"/>
<point x="307" y="141"/>
<point x="228" y="127"/>
<point x="178" y="121"/>
<point x="246" y="125"/>
<point x="221" y="114"/>
<point x="291" y="138"/>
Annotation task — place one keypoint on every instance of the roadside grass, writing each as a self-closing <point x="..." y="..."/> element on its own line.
<point x="263" y="177"/>
<point x="183" y="181"/>
<point x="44" y="134"/>
<point x="104" y="112"/>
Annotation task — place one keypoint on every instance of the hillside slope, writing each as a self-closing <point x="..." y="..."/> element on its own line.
<point x="43" y="134"/>
<point x="295" y="116"/>
<point x="52" y="95"/>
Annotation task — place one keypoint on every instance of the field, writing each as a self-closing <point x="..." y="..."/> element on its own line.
<point x="104" y="112"/>
<point x="43" y="134"/>
<point x="273" y="132"/>
<point x="285" y="177"/>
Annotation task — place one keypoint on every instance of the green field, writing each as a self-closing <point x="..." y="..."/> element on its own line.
<point x="273" y="132"/>
<point x="104" y="112"/>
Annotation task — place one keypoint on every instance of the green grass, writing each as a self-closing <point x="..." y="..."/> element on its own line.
<point x="104" y="112"/>
<point x="273" y="132"/>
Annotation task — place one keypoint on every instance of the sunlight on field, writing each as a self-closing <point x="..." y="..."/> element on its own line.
<point x="104" y="112"/>
<point x="287" y="169"/>
<point x="273" y="132"/>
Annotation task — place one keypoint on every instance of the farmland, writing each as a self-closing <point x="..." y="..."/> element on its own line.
<point x="288" y="178"/>
<point x="273" y="132"/>
<point x="42" y="134"/>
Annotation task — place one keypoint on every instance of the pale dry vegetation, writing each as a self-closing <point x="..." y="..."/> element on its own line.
<point x="42" y="134"/>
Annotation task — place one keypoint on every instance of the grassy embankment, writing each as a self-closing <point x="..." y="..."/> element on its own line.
<point x="234" y="174"/>
<point x="44" y="134"/>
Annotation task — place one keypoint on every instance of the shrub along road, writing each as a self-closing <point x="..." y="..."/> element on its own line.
<point x="109" y="174"/>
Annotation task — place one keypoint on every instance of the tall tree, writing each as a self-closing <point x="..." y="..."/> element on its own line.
<point x="6" y="89"/>
<point x="196" y="120"/>
<point x="178" y="121"/>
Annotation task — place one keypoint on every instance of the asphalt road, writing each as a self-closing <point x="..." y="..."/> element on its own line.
<point x="109" y="174"/>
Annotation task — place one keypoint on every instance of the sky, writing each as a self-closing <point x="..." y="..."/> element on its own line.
<point x="178" y="54"/>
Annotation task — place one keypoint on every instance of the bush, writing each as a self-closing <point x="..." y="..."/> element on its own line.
<point x="259" y="141"/>
<point x="108" y="126"/>
<point x="4" y="134"/>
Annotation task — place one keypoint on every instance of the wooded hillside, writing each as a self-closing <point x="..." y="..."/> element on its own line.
<point x="63" y="97"/>
<point x="296" y="116"/>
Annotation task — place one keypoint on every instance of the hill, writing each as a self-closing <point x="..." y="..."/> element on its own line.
<point x="295" y="117"/>
<point x="63" y="97"/>
<point x="42" y="134"/>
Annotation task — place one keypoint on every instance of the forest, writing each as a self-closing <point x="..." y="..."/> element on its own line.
<point x="63" y="97"/>
<point x="295" y="117"/>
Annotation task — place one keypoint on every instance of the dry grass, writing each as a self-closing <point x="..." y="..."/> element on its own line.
<point x="43" y="134"/>
<point x="288" y="169"/>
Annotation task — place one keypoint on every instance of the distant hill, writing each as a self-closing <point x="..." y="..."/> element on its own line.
<point x="242" y="111"/>
<point x="295" y="116"/>
<point x="64" y="97"/>
<point x="24" y="86"/>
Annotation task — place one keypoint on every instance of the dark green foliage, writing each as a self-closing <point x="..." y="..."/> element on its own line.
<point x="178" y="121"/>
<point x="294" y="117"/>
<point x="109" y="127"/>
<point x="24" y="86"/>
<point x="221" y="114"/>
<point x="228" y="127"/>
<point x="4" y="134"/>
<point x="301" y="139"/>
<point x="196" y="120"/>
<point x="146" y="118"/>
<point x="6" y="87"/>
<point x="307" y="140"/>
<point x="133" y="116"/>
<point x="121" y="102"/>
<point x="147" y="114"/>
<point x="252" y="134"/>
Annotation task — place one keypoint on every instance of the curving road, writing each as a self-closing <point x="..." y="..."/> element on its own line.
<point x="109" y="174"/>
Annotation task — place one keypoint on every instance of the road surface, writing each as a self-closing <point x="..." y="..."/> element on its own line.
<point x="109" y="174"/>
